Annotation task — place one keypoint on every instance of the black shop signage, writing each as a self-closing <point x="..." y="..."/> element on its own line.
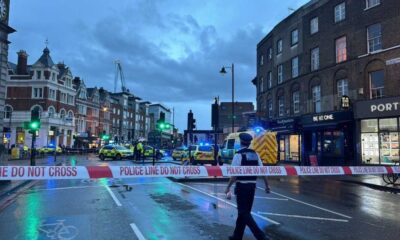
<point x="284" y="124"/>
<point x="328" y="117"/>
<point x="384" y="107"/>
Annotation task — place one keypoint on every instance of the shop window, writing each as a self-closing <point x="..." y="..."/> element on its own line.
<point x="389" y="147"/>
<point x="369" y="125"/>
<point x="376" y="82"/>
<point x="333" y="142"/>
<point x="370" y="148"/>
<point x="388" y="124"/>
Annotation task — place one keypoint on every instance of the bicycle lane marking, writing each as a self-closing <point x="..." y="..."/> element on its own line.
<point x="113" y="196"/>
<point x="229" y="203"/>
<point x="308" y="204"/>
<point x="137" y="232"/>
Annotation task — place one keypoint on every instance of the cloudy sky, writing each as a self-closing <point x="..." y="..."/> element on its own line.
<point x="171" y="50"/>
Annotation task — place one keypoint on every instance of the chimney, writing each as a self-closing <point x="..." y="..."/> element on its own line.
<point x="22" y="66"/>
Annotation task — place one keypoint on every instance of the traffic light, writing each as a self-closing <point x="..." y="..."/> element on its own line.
<point x="161" y="125"/>
<point x="105" y="137"/>
<point x="215" y="114"/>
<point x="32" y="126"/>
<point x="194" y="124"/>
<point x="190" y="121"/>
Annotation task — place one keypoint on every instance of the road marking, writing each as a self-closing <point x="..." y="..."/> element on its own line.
<point x="63" y="188"/>
<point x="229" y="203"/>
<point x="304" y="217"/>
<point x="113" y="196"/>
<point x="308" y="204"/>
<point x="271" y="198"/>
<point x="138" y="233"/>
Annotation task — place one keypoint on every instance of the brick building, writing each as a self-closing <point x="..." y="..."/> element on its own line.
<point x="45" y="87"/>
<point x="313" y="62"/>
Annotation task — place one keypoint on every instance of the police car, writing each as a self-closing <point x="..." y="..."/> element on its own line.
<point x="179" y="153"/>
<point x="202" y="154"/>
<point x="114" y="152"/>
<point x="49" y="149"/>
<point x="148" y="152"/>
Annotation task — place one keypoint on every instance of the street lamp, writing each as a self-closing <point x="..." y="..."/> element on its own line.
<point x="223" y="72"/>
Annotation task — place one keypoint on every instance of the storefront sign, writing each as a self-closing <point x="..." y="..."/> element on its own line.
<point x="385" y="107"/>
<point x="316" y="120"/>
<point x="322" y="118"/>
<point x="287" y="124"/>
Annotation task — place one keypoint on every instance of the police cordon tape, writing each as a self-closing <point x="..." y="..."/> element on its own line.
<point x="88" y="172"/>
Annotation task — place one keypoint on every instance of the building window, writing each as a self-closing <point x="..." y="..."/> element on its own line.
<point x="262" y="84"/>
<point x="280" y="73"/>
<point x="38" y="74"/>
<point x="82" y="94"/>
<point x="374" y="36"/>
<point x="62" y="114"/>
<point x="316" y="97"/>
<point x="51" y="112"/>
<point x="341" y="49"/>
<point x="372" y="3"/>
<point x="52" y="94"/>
<point x="270" y="53"/>
<point x="53" y="77"/>
<point x="269" y="79"/>
<point x="279" y="46"/>
<point x="314" y="25"/>
<point x="37" y="93"/>
<point x="376" y="81"/>
<point x="315" y="59"/>
<point x="296" y="102"/>
<point x="70" y="99"/>
<point x="270" y="108"/>
<point x="340" y="12"/>
<point x="295" y="67"/>
<point x="342" y="87"/>
<point x="281" y="106"/>
<point x="261" y="60"/>
<point x="7" y="112"/>
<point x="63" y="97"/>
<point x="295" y="37"/>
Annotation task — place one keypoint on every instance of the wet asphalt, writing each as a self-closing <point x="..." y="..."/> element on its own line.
<point x="160" y="208"/>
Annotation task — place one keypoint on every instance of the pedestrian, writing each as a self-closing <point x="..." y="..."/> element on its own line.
<point x="245" y="189"/>
<point x="139" y="149"/>
<point x="135" y="151"/>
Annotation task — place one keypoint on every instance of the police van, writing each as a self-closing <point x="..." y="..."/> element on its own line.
<point x="264" y="143"/>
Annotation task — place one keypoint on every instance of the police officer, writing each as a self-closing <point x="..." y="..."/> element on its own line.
<point x="245" y="189"/>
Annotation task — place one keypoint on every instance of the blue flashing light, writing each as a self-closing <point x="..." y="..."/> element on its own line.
<point x="201" y="144"/>
<point x="258" y="129"/>
<point x="207" y="144"/>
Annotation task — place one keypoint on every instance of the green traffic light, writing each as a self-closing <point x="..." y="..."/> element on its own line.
<point x="34" y="125"/>
<point x="162" y="125"/>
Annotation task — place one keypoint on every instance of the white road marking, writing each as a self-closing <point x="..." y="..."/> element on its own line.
<point x="229" y="203"/>
<point x="304" y="217"/>
<point x="308" y="204"/>
<point x="113" y="196"/>
<point x="271" y="198"/>
<point x="138" y="233"/>
<point x="63" y="188"/>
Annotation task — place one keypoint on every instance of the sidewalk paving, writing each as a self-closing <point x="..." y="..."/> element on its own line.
<point x="372" y="181"/>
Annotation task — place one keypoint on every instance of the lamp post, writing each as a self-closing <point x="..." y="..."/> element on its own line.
<point x="223" y="71"/>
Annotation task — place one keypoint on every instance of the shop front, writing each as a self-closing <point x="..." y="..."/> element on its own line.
<point x="378" y="128"/>
<point x="329" y="137"/>
<point x="289" y="139"/>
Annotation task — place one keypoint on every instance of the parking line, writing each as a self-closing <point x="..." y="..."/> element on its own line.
<point x="229" y="203"/>
<point x="113" y="196"/>
<point x="308" y="204"/>
<point x="138" y="233"/>
<point x="304" y="217"/>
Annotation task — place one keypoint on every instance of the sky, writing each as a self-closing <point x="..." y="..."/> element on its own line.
<point x="171" y="51"/>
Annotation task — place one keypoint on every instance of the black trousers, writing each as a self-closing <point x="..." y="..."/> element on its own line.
<point x="245" y="197"/>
